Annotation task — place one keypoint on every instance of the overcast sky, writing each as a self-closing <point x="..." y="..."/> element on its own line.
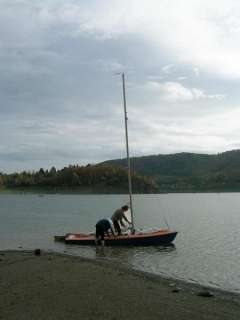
<point x="61" y="103"/>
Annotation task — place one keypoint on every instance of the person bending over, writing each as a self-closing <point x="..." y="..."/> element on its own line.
<point x="103" y="226"/>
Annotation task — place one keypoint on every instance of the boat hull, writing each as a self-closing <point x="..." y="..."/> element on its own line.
<point x="161" y="237"/>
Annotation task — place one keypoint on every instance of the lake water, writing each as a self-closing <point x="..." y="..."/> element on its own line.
<point x="206" y="250"/>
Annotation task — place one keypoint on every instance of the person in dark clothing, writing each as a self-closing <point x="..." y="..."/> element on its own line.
<point x="118" y="217"/>
<point x="103" y="226"/>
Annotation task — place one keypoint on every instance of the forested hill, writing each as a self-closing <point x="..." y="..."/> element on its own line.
<point x="82" y="179"/>
<point x="190" y="171"/>
<point x="180" y="172"/>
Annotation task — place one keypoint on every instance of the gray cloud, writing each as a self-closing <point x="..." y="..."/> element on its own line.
<point x="61" y="102"/>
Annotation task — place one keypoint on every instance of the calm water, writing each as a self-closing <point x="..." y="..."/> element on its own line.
<point x="206" y="250"/>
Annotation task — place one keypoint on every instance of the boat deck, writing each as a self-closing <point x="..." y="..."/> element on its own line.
<point x="159" y="237"/>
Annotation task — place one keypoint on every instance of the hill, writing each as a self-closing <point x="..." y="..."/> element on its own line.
<point x="180" y="172"/>
<point x="189" y="171"/>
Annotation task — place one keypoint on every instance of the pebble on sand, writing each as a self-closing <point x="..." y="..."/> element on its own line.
<point x="37" y="252"/>
<point x="205" y="293"/>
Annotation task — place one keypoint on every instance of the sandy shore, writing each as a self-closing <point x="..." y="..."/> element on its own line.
<point x="54" y="286"/>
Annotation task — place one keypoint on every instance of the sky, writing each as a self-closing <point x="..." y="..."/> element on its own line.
<point x="61" y="99"/>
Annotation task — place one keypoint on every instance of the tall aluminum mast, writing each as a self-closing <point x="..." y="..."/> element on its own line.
<point x="127" y="149"/>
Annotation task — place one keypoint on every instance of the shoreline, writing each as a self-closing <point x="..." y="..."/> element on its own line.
<point x="86" y="286"/>
<point x="192" y="287"/>
<point x="87" y="191"/>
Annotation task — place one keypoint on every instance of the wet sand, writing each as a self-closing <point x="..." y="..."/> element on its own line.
<point x="55" y="286"/>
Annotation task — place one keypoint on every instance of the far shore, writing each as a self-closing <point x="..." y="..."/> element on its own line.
<point x="57" y="286"/>
<point x="100" y="191"/>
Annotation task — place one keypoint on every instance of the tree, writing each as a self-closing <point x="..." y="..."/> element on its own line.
<point x="53" y="172"/>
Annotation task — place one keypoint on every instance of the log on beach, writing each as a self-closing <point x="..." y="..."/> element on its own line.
<point x="55" y="286"/>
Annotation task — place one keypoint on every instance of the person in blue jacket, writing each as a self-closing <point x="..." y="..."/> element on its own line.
<point x="103" y="226"/>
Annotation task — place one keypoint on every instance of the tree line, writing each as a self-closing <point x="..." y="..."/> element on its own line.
<point x="90" y="176"/>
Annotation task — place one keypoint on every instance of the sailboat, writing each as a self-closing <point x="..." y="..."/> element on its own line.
<point x="134" y="238"/>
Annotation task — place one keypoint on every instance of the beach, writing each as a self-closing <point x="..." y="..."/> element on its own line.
<point x="57" y="286"/>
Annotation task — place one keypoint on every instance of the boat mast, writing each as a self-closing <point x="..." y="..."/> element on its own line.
<point x="127" y="149"/>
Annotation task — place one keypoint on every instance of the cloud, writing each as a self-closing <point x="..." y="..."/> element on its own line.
<point x="206" y="133"/>
<point x="181" y="78"/>
<point x="62" y="104"/>
<point x="175" y="91"/>
<point x="200" y="33"/>
<point x="196" y="71"/>
<point x="168" y="68"/>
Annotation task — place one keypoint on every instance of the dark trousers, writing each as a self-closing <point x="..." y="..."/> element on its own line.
<point x="99" y="231"/>
<point x="117" y="227"/>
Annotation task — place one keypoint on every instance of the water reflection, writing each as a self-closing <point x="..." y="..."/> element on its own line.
<point x="129" y="255"/>
<point x="142" y="258"/>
